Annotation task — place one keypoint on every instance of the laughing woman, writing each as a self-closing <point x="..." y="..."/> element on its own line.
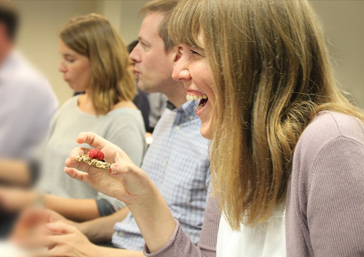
<point x="286" y="144"/>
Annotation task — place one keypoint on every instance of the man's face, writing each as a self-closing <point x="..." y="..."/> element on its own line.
<point x="153" y="65"/>
<point x="3" y="36"/>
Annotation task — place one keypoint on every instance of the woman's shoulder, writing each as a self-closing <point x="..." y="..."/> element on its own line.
<point x="329" y="125"/>
<point x="70" y="103"/>
<point x="122" y="117"/>
<point x="329" y="129"/>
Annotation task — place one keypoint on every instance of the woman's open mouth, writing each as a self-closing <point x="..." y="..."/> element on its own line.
<point x="203" y="100"/>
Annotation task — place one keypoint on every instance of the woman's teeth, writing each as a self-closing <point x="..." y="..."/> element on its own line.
<point x="203" y="100"/>
<point x="195" y="97"/>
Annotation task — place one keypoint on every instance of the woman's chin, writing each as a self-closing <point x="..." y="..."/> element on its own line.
<point x="206" y="132"/>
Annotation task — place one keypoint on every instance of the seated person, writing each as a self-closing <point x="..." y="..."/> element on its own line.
<point x="94" y="60"/>
<point x="177" y="161"/>
<point x="27" y="101"/>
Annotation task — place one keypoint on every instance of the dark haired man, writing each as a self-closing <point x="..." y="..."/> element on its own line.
<point x="27" y="101"/>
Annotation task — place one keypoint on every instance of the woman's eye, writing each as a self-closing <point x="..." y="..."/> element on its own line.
<point x="70" y="60"/>
<point x="195" y="53"/>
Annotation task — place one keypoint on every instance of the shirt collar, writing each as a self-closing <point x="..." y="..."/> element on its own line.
<point x="186" y="112"/>
<point x="170" y="106"/>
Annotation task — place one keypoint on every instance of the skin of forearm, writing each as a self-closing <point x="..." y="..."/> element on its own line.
<point x="100" y="230"/>
<point x="112" y="252"/>
<point x="73" y="209"/>
<point x="154" y="219"/>
<point x="14" y="172"/>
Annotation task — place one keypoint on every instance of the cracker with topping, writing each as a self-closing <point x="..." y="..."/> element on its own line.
<point x="93" y="162"/>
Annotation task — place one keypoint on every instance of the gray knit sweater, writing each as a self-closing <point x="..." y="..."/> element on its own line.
<point x="325" y="202"/>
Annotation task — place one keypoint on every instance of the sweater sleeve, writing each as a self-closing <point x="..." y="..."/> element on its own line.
<point x="335" y="200"/>
<point x="181" y="246"/>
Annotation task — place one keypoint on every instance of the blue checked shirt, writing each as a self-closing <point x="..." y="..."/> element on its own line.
<point x="177" y="161"/>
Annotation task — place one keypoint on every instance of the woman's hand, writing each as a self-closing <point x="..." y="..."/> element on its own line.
<point x="128" y="183"/>
<point x="124" y="181"/>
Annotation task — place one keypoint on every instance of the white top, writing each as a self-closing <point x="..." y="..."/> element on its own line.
<point x="265" y="240"/>
<point x="27" y="104"/>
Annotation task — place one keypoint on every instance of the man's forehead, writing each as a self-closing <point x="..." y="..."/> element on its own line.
<point x="149" y="34"/>
<point x="151" y="23"/>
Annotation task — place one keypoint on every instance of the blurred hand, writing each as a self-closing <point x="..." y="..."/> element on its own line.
<point x="15" y="199"/>
<point x="61" y="239"/>
<point x="124" y="181"/>
<point x="32" y="219"/>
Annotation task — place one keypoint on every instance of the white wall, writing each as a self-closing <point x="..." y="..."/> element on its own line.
<point x="38" y="37"/>
<point x="343" y="24"/>
<point x="43" y="19"/>
<point x="342" y="21"/>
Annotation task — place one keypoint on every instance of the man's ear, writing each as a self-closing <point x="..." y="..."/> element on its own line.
<point x="2" y="30"/>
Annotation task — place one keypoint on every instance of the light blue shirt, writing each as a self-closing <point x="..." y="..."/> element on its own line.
<point x="177" y="161"/>
<point x="27" y="103"/>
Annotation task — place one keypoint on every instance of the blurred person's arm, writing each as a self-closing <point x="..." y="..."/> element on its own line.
<point x="15" y="172"/>
<point x="13" y="200"/>
<point x="73" y="209"/>
<point x="100" y="230"/>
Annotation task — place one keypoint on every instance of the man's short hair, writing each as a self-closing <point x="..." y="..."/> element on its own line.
<point x="9" y="17"/>
<point x="164" y="7"/>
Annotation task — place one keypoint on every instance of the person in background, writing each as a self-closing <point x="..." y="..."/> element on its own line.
<point x="156" y="103"/>
<point x="140" y="100"/>
<point x="287" y="146"/>
<point x="94" y="60"/>
<point x="27" y="101"/>
<point x="177" y="161"/>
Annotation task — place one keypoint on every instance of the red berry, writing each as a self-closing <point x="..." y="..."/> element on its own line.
<point x="96" y="154"/>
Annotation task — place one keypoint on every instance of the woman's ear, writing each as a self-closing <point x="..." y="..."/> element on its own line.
<point x="175" y="53"/>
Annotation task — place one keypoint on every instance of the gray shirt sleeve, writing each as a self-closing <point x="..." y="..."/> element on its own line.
<point x="104" y="207"/>
<point x="181" y="246"/>
<point x="127" y="132"/>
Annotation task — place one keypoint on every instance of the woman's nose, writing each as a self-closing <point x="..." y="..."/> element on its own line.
<point x="181" y="71"/>
<point x="61" y="67"/>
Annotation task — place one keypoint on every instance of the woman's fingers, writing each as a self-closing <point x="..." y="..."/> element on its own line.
<point x="91" y="139"/>
<point x="73" y="163"/>
<point x="76" y="174"/>
<point x="78" y="151"/>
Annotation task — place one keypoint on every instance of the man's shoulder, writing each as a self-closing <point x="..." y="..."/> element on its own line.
<point x="21" y="73"/>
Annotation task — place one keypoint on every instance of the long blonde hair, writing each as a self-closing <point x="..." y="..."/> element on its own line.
<point x="271" y="76"/>
<point x="112" y="80"/>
